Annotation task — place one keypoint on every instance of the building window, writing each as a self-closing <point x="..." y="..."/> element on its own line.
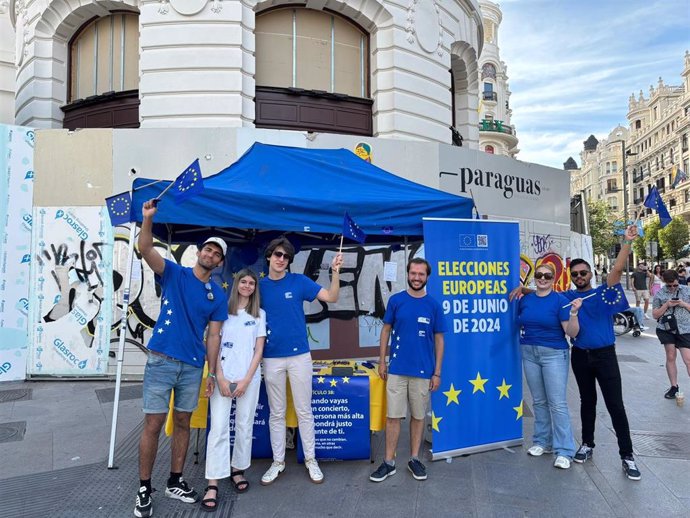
<point x="104" y="56"/>
<point x="104" y="74"/>
<point x="613" y="202"/>
<point x="611" y="186"/>
<point x="312" y="72"/>
<point x="687" y="195"/>
<point x="684" y="142"/>
<point x="614" y="167"/>
<point x="312" y="50"/>
<point x="638" y="124"/>
<point x="608" y="167"/>
<point x="488" y="71"/>
<point x="489" y="149"/>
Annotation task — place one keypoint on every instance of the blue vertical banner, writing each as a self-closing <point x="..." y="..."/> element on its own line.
<point x="475" y="264"/>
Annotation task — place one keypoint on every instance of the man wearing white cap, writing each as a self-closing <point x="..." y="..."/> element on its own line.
<point x="189" y="303"/>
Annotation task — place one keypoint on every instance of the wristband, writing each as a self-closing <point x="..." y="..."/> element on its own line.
<point x="437" y="375"/>
<point x="627" y="241"/>
<point x="573" y="313"/>
<point x="212" y="376"/>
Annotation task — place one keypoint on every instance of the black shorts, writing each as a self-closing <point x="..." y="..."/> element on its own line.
<point x="678" y="340"/>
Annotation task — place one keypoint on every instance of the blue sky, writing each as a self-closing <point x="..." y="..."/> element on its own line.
<point x="572" y="65"/>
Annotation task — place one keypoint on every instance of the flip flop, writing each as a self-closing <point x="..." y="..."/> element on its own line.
<point x="206" y="501"/>
<point x="242" y="485"/>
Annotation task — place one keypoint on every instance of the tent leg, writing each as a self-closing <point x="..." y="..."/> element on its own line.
<point x="121" y="345"/>
<point x="196" y="447"/>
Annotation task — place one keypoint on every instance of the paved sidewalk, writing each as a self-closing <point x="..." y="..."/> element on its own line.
<point x="58" y="467"/>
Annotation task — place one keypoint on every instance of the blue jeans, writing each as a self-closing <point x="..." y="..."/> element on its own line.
<point x="546" y="370"/>
<point x="161" y="376"/>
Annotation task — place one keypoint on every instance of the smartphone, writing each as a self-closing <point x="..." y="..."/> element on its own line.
<point x="233" y="387"/>
<point x="675" y="298"/>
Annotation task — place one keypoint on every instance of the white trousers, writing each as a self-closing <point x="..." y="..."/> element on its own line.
<point x="299" y="370"/>
<point x="218" y="442"/>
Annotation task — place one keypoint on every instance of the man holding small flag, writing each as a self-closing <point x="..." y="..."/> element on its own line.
<point x="119" y="208"/>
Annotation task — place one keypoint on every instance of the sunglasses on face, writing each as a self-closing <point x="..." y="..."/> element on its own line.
<point x="672" y="285"/>
<point x="543" y="275"/>
<point x="281" y="255"/>
<point x="209" y="293"/>
<point x="580" y="273"/>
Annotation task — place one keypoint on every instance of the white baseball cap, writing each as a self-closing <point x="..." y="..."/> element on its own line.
<point x="217" y="241"/>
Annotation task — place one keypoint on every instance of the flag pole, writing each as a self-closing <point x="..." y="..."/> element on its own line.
<point x="158" y="198"/>
<point x="121" y="343"/>
<point x="474" y="205"/>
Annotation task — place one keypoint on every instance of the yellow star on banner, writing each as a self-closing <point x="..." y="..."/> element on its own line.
<point x="478" y="383"/>
<point x="320" y="379"/>
<point x="225" y="286"/>
<point x="503" y="388"/>
<point x="334" y="383"/>
<point x="518" y="411"/>
<point x="262" y="275"/>
<point x="434" y="421"/>
<point x="346" y="379"/>
<point x="452" y="395"/>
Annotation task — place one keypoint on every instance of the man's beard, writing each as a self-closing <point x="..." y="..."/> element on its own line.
<point x="409" y="283"/>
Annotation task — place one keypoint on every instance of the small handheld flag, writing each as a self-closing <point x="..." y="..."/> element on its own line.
<point x="677" y="176"/>
<point x="653" y="201"/>
<point x="119" y="208"/>
<point x="189" y="183"/>
<point x="352" y="231"/>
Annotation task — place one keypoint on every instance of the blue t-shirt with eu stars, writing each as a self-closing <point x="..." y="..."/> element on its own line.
<point x="414" y="322"/>
<point x="540" y="320"/>
<point x="596" y="315"/>
<point x="283" y="301"/>
<point x="185" y="312"/>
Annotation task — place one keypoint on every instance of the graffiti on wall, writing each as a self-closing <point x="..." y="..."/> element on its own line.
<point x="540" y="245"/>
<point x="70" y="303"/>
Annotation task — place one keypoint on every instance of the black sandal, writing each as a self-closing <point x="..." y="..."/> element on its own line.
<point x="206" y="501"/>
<point x="242" y="485"/>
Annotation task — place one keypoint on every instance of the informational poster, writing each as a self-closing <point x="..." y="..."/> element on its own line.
<point x="16" y="194"/>
<point x="475" y="264"/>
<point x="70" y="303"/>
<point x="341" y="418"/>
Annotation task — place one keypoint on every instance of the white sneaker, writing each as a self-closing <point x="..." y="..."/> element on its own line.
<point x="643" y="328"/>
<point x="562" y="462"/>
<point x="646" y="316"/>
<point x="272" y="473"/>
<point x="537" y="451"/>
<point x="314" y="471"/>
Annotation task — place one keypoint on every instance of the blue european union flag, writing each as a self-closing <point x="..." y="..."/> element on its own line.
<point x="189" y="183"/>
<point x="468" y="240"/>
<point x="653" y="201"/>
<point x="352" y="231"/>
<point x="119" y="208"/>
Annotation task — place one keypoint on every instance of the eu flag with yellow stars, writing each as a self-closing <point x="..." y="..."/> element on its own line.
<point x="189" y="183"/>
<point x="119" y="208"/>
<point x="352" y="231"/>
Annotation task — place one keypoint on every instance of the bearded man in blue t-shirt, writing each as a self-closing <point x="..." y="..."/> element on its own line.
<point x="593" y="357"/>
<point x="415" y="321"/>
<point x="189" y="303"/>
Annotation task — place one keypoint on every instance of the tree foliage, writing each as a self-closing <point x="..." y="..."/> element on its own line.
<point x="601" y="221"/>
<point x="651" y="233"/>
<point x="674" y="238"/>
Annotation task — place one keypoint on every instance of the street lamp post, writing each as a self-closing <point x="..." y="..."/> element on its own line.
<point x="625" y="209"/>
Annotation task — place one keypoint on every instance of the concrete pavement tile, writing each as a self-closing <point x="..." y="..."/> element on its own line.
<point x="6" y="410"/>
<point x="34" y="454"/>
<point x="76" y="448"/>
<point x="672" y="472"/>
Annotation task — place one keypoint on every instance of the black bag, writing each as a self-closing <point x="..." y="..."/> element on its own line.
<point x="668" y="321"/>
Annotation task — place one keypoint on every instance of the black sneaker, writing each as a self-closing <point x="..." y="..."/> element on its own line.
<point x="417" y="469"/>
<point x="384" y="471"/>
<point x="143" y="507"/>
<point x="583" y="454"/>
<point x="630" y="469"/>
<point x="671" y="393"/>
<point x="181" y="491"/>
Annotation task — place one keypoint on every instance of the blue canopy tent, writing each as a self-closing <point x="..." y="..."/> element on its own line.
<point x="302" y="191"/>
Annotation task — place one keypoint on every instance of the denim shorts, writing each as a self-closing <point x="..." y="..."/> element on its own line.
<point x="161" y="376"/>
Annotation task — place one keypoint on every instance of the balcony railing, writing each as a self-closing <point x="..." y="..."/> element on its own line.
<point x="611" y="190"/>
<point x="637" y="201"/>
<point x="494" y="125"/>
<point x="490" y="96"/>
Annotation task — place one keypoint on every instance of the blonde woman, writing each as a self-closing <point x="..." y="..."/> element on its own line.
<point x="239" y="378"/>
<point x="545" y="358"/>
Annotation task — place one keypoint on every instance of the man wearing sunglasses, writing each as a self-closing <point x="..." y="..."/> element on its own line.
<point x="189" y="303"/>
<point x="671" y="309"/>
<point x="593" y="356"/>
<point x="286" y="352"/>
